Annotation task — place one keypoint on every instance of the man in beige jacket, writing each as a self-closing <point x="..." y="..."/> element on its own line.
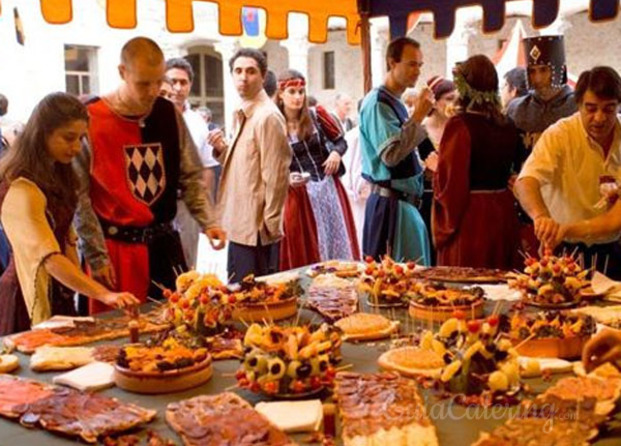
<point x="255" y="172"/>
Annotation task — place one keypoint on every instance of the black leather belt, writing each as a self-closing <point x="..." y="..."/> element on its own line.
<point x="414" y="200"/>
<point x="134" y="234"/>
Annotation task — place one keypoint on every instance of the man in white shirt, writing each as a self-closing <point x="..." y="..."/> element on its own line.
<point x="575" y="166"/>
<point x="180" y="75"/>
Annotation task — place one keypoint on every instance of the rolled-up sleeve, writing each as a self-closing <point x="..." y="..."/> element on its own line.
<point x="32" y="241"/>
<point x="275" y="160"/>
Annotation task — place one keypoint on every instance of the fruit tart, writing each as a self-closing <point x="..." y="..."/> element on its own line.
<point x="387" y="282"/>
<point x="550" y="334"/>
<point x="435" y="302"/>
<point x="255" y="301"/>
<point x="551" y="282"/>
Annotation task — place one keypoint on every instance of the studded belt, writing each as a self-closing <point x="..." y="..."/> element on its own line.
<point x="135" y="234"/>
<point x="414" y="200"/>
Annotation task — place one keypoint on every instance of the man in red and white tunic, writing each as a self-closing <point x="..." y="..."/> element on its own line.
<point x="140" y="157"/>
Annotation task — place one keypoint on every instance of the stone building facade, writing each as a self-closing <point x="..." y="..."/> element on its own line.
<point x="84" y="54"/>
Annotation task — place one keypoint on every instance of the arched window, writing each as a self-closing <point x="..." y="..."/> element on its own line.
<point x="208" y="86"/>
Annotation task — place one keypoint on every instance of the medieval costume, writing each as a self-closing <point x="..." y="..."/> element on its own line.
<point x="318" y="222"/>
<point x="132" y="174"/>
<point x="393" y="224"/>
<point x="531" y="115"/>
<point x="37" y="229"/>
<point x="475" y="222"/>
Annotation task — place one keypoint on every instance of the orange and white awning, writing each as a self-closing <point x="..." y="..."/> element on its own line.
<point x="180" y="18"/>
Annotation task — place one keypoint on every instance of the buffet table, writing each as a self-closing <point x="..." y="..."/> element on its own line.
<point x="455" y="424"/>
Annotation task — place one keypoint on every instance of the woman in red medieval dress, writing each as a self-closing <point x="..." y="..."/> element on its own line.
<point x="318" y="222"/>
<point x="474" y="219"/>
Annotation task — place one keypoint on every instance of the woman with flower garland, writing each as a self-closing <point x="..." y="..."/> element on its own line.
<point x="474" y="219"/>
<point x="317" y="220"/>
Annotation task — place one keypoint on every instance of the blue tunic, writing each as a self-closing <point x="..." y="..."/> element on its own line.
<point x="392" y="225"/>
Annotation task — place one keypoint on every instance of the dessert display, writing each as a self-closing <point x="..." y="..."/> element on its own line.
<point x="531" y="431"/>
<point x="203" y="304"/>
<point x="605" y="392"/>
<point x="568" y="413"/>
<point x="223" y="419"/>
<point x="339" y="268"/>
<point x="332" y="297"/>
<point x="551" y="282"/>
<point x="386" y="283"/>
<point x="255" y="301"/>
<point x="167" y="367"/>
<point x="366" y="327"/>
<point x="226" y="345"/>
<point x="8" y="363"/>
<point x="435" y="302"/>
<point x="466" y="359"/>
<point x="288" y="361"/>
<point x="413" y="362"/>
<point x="550" y="334"/>
<point x="382" y="408"/>
<point x="461" y="274"/>
<point x="83" y="332"/>
<point x="67" y="411"/>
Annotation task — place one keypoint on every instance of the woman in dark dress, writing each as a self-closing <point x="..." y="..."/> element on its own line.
<point x="318" y="222"/>
<point x="37" y="202"/>
<point x="474" y="219"/>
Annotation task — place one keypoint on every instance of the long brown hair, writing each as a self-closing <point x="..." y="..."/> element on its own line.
<point x="306" y="122"/>
<point x="29" y="157"/>
<point x="481" y="93"/>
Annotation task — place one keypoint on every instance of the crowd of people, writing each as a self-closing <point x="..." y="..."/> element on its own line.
<point x="461" y="172"/>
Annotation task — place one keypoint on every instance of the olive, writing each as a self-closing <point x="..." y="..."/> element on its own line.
<point x="292" y="369"/>
<point x="304" y="370"/>
<point x="500" y="355"/>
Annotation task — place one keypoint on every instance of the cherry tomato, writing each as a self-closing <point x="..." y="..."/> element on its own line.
<point x="298" y="386"/>
<point x="493" y="320"/>
<point x="473" y="326"/>
<point x="315" y="382"/>
<point x="270" y="387"/>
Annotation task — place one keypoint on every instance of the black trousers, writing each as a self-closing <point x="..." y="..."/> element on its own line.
<point x="258" y="260"/>
<point x="605" y="258"/>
